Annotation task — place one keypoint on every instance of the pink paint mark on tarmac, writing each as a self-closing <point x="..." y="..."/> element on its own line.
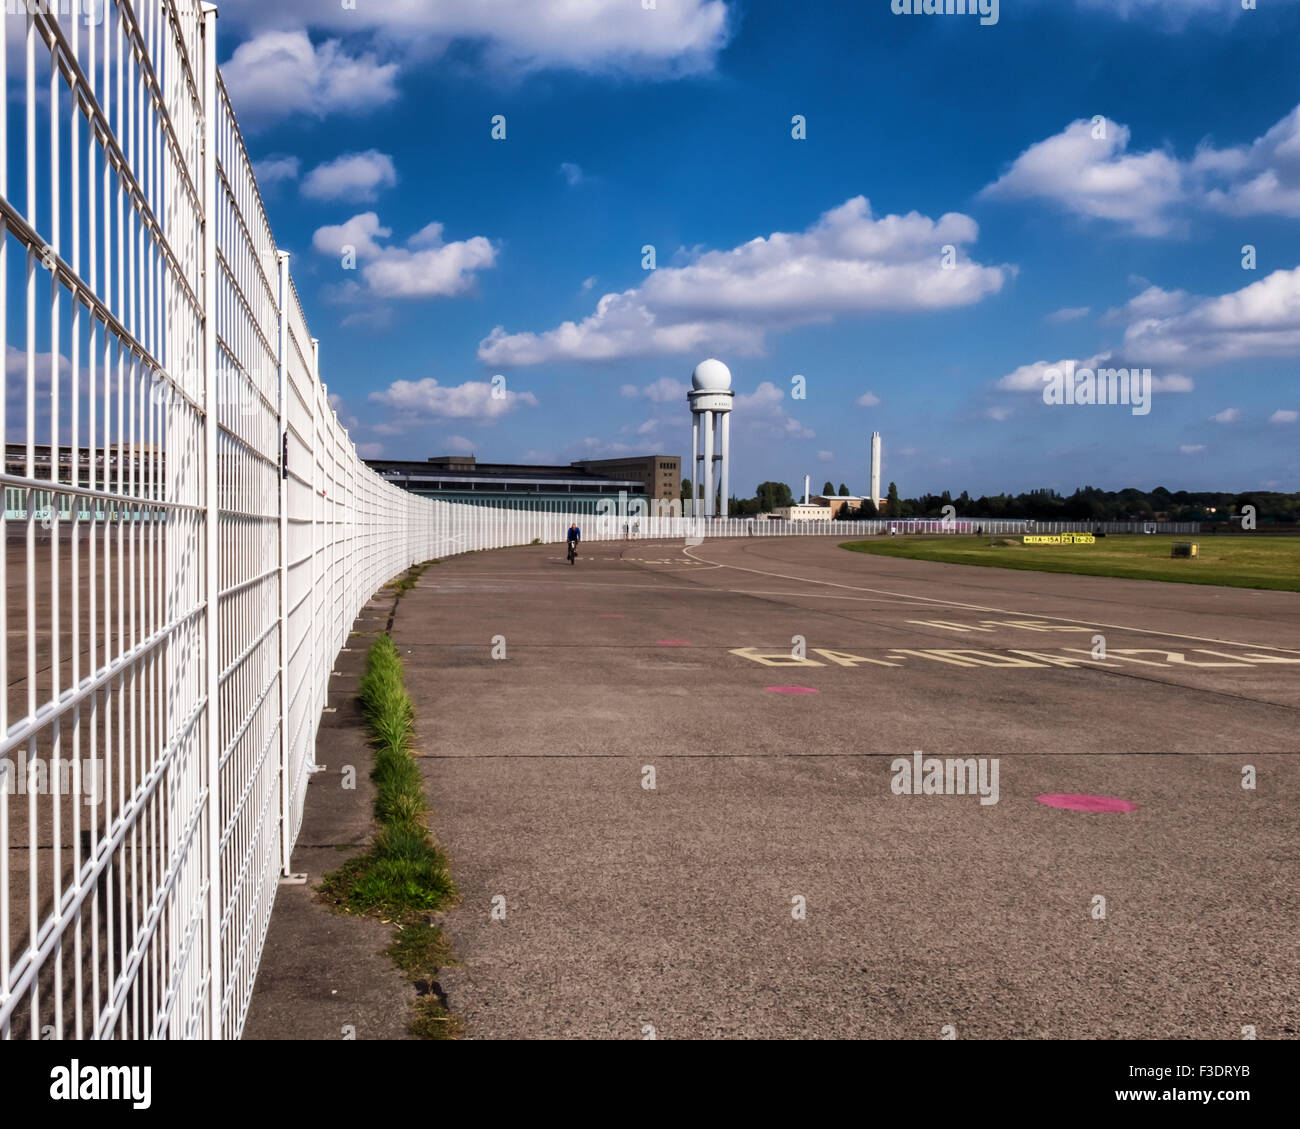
<point x="1080" y="801"/>
<point x="673" y="642"/>
<point x="790" y="690"/>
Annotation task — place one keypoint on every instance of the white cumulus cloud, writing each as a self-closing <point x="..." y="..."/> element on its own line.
<point x="1097" y="177"/>
<point x="517" y="36"/>
<point x="272" y="170"/>
<point x="353" y="176"/>
<point x="1029" y="378"/>
<point x="665" y="390"/>
<point x="425" y="267"/>
<point x="1261" y="319"/>
<point x="849" y="262"/>
<point x="1264" y="177"/>
<point x="1068" y="313"/>
<point x="280" y="73"/>
<point x="1152" y="302"/>
<point x="428" y="400"/>
<point x="622" y="326"/>
<point x="763" y="411"/>
<point x="1152" y="192"/>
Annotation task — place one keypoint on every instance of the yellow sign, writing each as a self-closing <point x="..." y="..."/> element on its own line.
<point x="1061" y="539"/>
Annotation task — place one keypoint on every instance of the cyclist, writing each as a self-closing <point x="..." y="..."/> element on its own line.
<point x="573" y="537"/>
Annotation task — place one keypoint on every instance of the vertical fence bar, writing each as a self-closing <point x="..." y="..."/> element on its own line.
<point x="211" y="502"/>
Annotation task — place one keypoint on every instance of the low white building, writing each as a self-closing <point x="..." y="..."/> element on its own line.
<point x="801" y="512"/>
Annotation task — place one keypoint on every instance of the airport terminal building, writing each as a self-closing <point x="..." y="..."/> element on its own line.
<point x="576" y="488"/>
<point x="660" y="475"/>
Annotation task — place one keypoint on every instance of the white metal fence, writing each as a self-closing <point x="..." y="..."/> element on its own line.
<point x="189" y="533"/>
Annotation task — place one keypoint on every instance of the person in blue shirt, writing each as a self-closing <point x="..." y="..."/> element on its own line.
<point x="573" y="537"/>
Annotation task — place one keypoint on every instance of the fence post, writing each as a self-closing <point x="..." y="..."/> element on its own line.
<point x="286" y="738"/>
<point x="211" y="518"/>
<point x="319" y="549"/>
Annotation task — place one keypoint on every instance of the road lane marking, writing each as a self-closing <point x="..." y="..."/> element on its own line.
<point x="982" y="608"/>
<point x="1013" y="659"/>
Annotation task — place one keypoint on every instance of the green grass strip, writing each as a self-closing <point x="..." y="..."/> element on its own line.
<point x="403" y="877"/>
<point x="404" y="872"/>
<point x="1240" y="561"/>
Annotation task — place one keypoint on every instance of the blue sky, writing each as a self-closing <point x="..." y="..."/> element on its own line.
<point x="1096" y="165"/>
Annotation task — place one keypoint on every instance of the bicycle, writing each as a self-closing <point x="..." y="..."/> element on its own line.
<point x="573" y="551"/>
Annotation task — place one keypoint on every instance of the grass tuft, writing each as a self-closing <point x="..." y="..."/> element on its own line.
<point x="420" y="949"/>
<point x="404" y="583"/>
<point x="433" y="1021"/>
<point x="404" y="875"/>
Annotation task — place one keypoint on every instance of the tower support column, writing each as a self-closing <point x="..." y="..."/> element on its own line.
<point x="726" y="462"/>
<point x="708" y="463"/>
<point x="696" y="458"/>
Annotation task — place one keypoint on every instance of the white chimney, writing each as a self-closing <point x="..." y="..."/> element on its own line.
<point x="807" y="489"/>
<point x="875" y="467"/>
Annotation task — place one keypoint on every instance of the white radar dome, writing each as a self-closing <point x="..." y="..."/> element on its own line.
<point x="711" y="376"/>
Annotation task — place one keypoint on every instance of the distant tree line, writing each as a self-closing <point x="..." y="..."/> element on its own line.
<point x="1088" y="503"/>
<point x="768" y="497"/>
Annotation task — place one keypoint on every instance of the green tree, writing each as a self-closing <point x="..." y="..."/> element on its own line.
<point x="844" y="490"/>
<point x="828" y="490"/>
<point x="892" y="506"/>
<point x="772" y="496"/>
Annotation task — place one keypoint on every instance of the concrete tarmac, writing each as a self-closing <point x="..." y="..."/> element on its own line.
<point x="773" y="882"/>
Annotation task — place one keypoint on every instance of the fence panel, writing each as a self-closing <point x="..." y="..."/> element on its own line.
<point x="181" y="519"/>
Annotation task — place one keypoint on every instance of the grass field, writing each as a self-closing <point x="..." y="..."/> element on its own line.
<point x="1238" y="562"/>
